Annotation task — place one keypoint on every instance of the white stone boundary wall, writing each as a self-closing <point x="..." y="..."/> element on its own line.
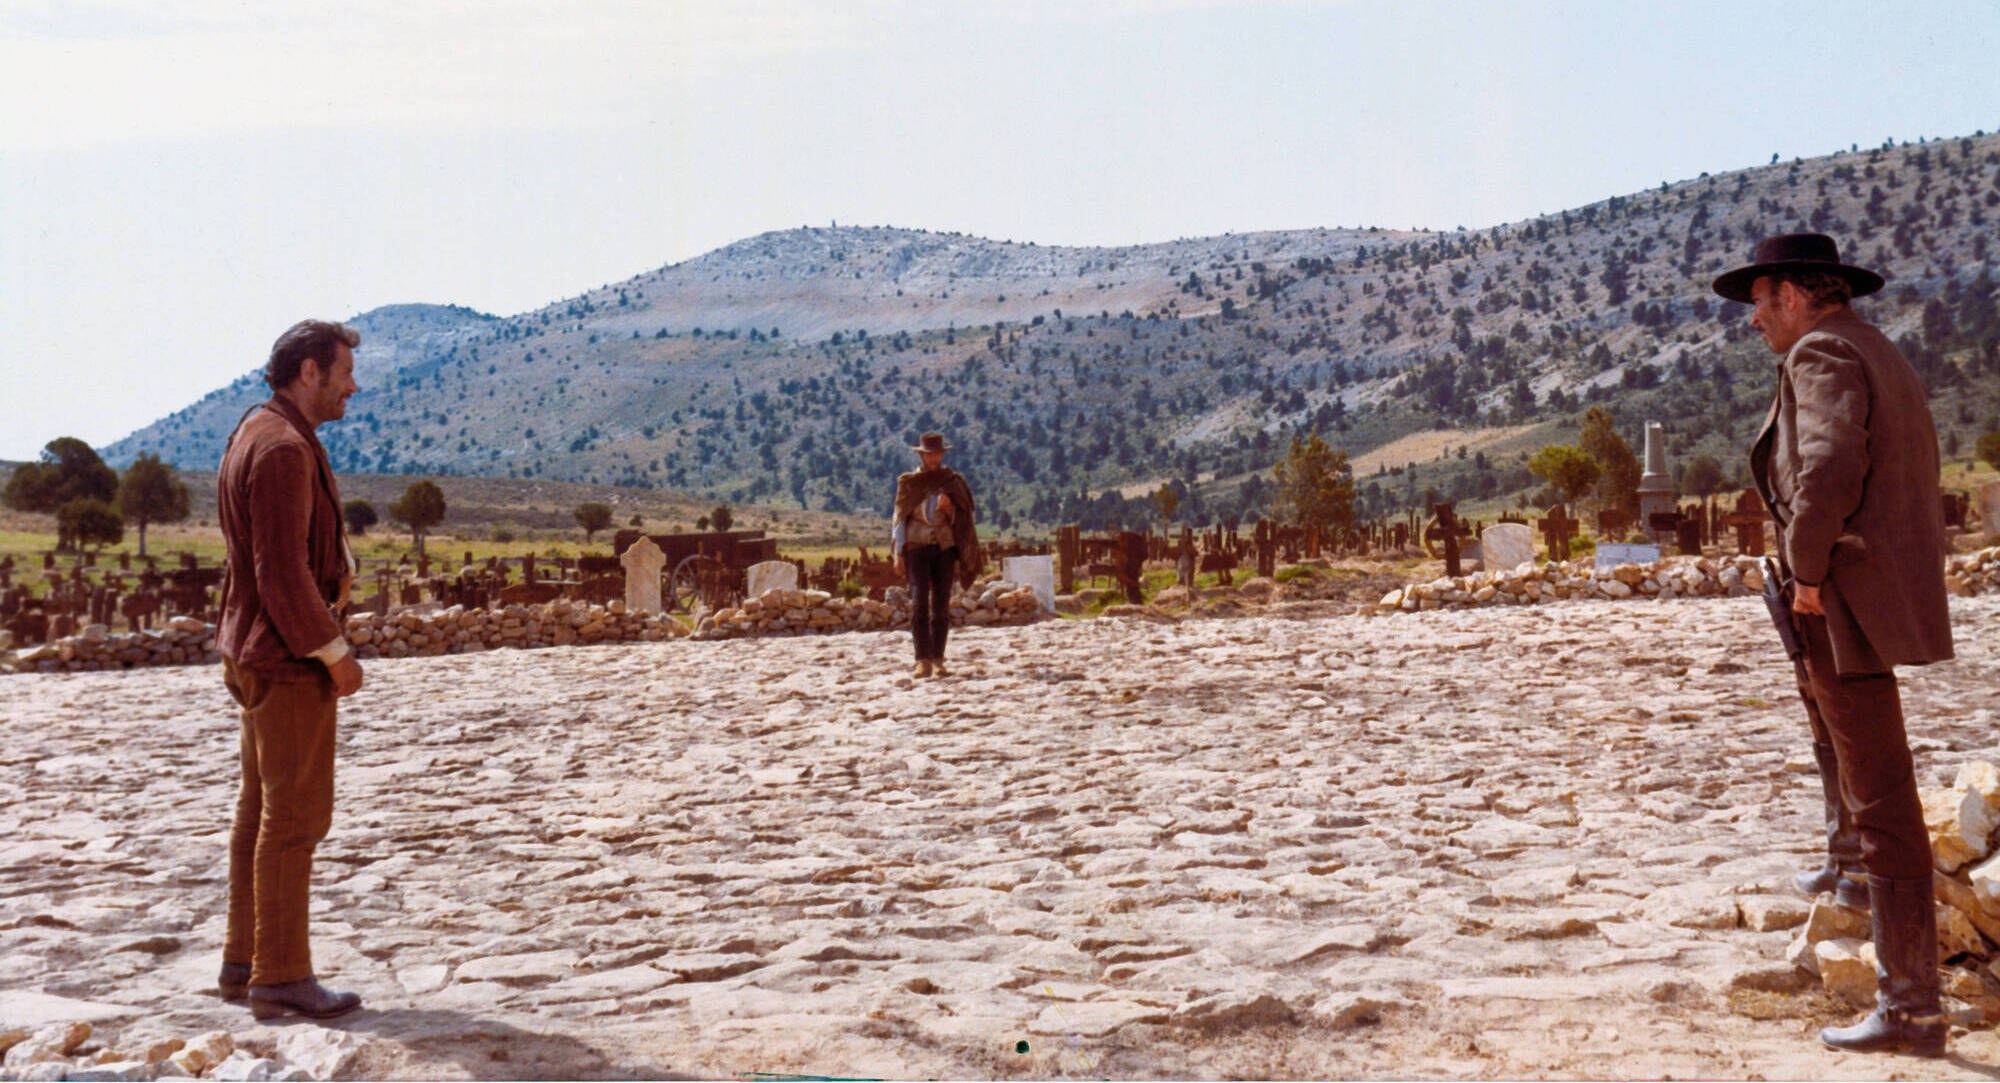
<point x="182" y="641"/>
<point x="806" y="612"/>
<point x="427" y="632"/>
<point x="1969" y="574"/>
<point x="1700" y="577"/>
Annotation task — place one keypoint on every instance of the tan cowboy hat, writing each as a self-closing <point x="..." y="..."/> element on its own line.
<point x="931" y="441"/>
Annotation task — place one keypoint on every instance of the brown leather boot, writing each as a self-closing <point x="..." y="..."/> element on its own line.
<point x="923" y="670"/>
<point x="305" y="997"/>
<point x="1907" y="1016"/>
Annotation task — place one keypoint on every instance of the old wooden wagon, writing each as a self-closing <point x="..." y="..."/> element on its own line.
<point x="710" y="568"/>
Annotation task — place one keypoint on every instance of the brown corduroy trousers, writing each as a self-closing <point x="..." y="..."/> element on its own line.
<point x="1863" y="713"/>
<point x="282" y="813"/>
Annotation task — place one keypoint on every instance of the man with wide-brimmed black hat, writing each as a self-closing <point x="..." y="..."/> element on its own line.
<point x="1847" y="461"/>
<point x="933" y="536"/>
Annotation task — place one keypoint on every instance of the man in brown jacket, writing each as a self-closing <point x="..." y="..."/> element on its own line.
<point x="933" y="537"/>
<point x="286" y="662"/>
<point x="1848" y="464"/>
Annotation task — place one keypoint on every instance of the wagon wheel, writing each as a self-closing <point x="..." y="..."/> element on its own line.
<point x="1434" y="539"/>
<point x="699" y="577"/>
<point x="684" y="583"/>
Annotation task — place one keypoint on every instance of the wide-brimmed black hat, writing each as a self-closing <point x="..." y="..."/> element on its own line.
<point x="1795" y="252"/>
<point x="931" y="441"/>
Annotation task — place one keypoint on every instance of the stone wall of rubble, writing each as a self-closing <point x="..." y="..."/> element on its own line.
<point x="803" y="612"/>
<point x="1833" y="946"/>
<point x="1528" y="584"/>
<point x="183" y="641"/>
<point x="459" y="630"/>
<point x="1973" y="573"/>
<point x="1966" y="574"/>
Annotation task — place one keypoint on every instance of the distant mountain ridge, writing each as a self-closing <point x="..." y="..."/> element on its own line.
<point x="796" y="366"/>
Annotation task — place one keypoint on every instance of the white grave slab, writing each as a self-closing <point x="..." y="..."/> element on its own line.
<point x="642" y="561"/>
<point x="1507" y="546"/>
<point x="773" y="575"/>
<point x="1611" y="556"/>
<point x="1037" y="574"/>
<point x="1989" y="510"/>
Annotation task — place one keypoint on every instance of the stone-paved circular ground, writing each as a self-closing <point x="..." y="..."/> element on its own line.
<point x="1503" y="842"/>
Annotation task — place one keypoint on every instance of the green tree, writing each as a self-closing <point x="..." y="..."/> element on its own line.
<point x="1567" y="468"/>
<point x="1703" y="476"/>
<point x="1618" y="469"/>
<point x="1989" y="449"/>
<point x="68" y="471"/>
<point x="721" y="518"/>
<point x="1166" y="501"/>
<point x="150" y="493"/>
<point x="1316" y="487"/>
<point x="360" y="515"/>
<point x="90" y="522"/>
<point x="592" y="516"/>
<point x="420" y="508"/>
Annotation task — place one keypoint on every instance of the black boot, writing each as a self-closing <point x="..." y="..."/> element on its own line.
<point x="1907" y="1016"/>
<point x="233" y="983"/>
<point x="1842" y="871"/>
<point x="307" y="997"/>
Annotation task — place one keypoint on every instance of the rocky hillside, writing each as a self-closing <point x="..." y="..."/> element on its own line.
<point x="795" y="367"/>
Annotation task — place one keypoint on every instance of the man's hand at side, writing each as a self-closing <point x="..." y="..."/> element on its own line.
<point x="1805" y="599"/>
<point x="346" y="675"/>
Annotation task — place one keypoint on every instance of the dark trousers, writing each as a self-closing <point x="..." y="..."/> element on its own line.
<point x="1863" y="716"/>
<point x="282" y="813"/>
<point x="930" y="570"/>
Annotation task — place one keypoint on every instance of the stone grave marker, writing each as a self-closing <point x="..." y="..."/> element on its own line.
<point x="1989" y="510"/>
<point x="1611" y="556"/>
<point x="771" y="575"/>
<point x="1506" y="546"/>
<point x="1035" y="573"/>
<point x="643" y="561"/>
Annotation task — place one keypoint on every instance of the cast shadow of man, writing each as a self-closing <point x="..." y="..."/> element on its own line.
<point x="409" y="1039"/>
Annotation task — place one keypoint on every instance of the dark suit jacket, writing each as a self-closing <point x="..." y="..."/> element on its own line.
<point x="280" y="512"/>
<point x="1848" y="464"/>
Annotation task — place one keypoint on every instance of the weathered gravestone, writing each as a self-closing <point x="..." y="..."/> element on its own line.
<point x="1035" y="573"/>
<point x="643" y="561"/>
<point x="1506" y="546"/>
<point x="772" y="575"/>
<point x="1611" y="555"/>
<point x="1989" y="510"/>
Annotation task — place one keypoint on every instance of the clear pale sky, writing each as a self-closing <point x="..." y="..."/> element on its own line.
<point x="182" y="179"/>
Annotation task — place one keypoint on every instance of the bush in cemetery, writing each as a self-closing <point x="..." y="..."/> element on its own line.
<point x="360" y="515"/>
<point x="420" y="508"/>
<point x="592" y="516"/>
<point x="150" y="493"/>
<point x="1989" y="449"/>
<point x="90" y="522"/>
<point x="1316" y="487"/>
<point x="1618" y="469"/>
<point x="1568" y="469"/>
<point x="68" y="471"/>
